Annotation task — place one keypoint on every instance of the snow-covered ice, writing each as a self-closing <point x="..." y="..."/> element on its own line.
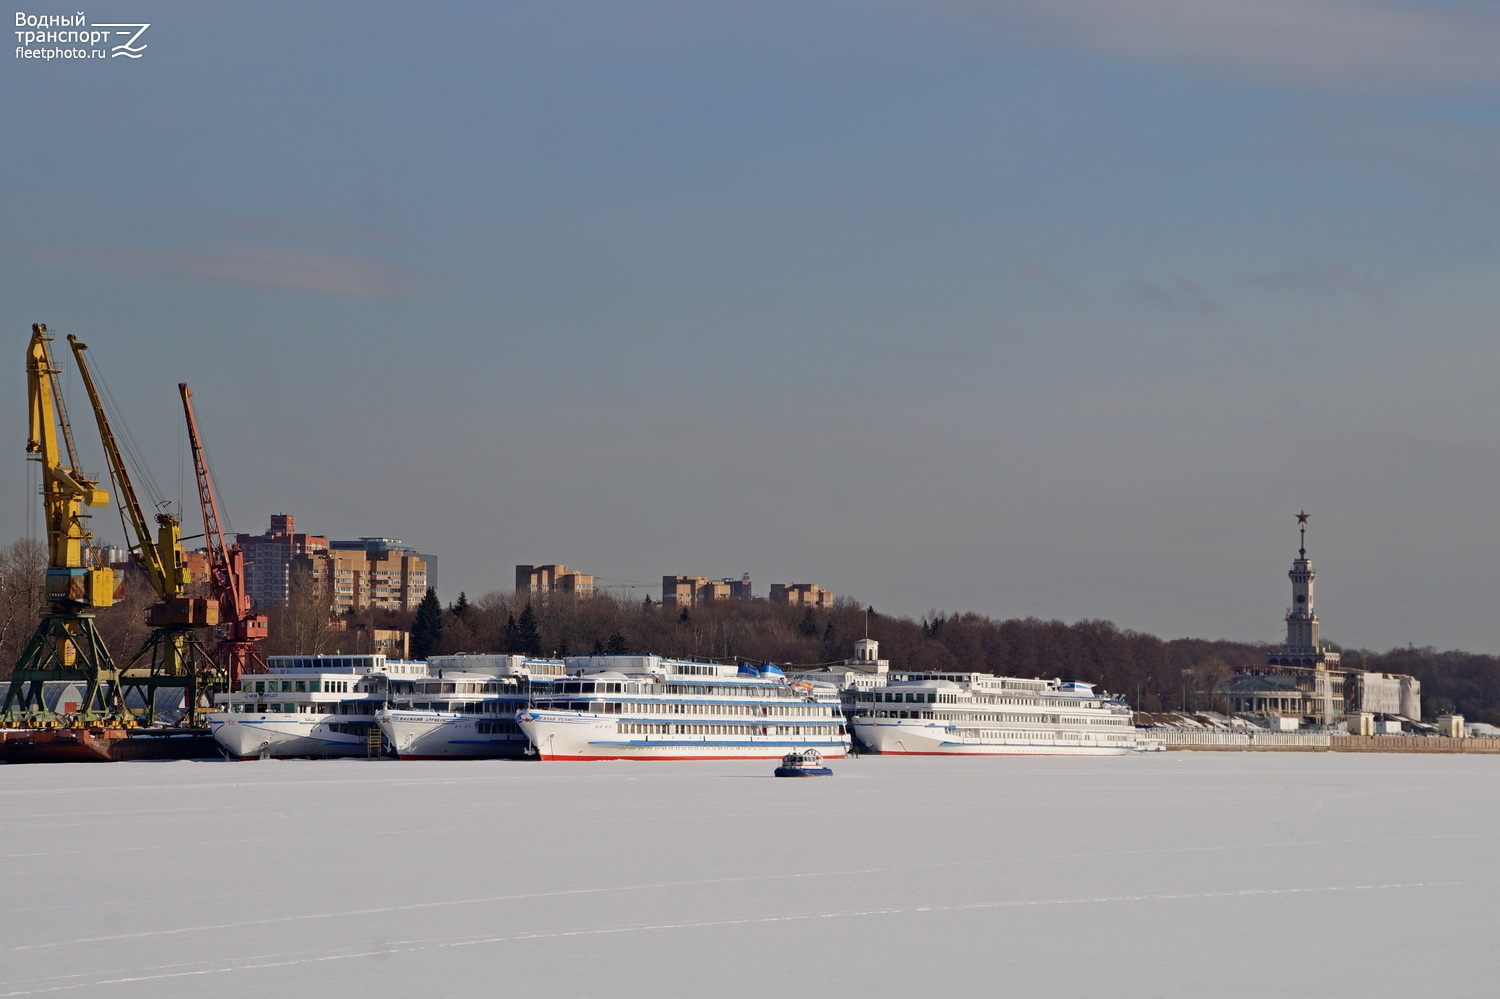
<point x="1171" y="874"/>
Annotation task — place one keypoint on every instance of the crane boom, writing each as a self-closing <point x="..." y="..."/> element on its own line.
<point x="172" y="656"/>
<point x="240" y="646"/>
<point x="54" y="371"/>
<point x="166" y="578"/>
<point x="64" y="490"/>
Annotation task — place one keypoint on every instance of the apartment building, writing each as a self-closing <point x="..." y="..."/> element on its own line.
<point x="269" y="558"/>
<point x="688" y="591"/>
<point x="801" y="595"/>
<point x="553" y="579"/>
<point x="360" y="578"/>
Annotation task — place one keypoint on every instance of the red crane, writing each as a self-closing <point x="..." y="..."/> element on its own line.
<point x="241" y="628"/>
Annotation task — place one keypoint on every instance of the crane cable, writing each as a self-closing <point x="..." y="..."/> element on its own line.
<point x="128" y="444"/>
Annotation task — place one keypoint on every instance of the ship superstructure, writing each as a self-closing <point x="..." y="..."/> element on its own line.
<point x="466" y="708"/>
<point x="312" y="706"/>
<point x="982" y="715"/>
<point x="651" y="708"/>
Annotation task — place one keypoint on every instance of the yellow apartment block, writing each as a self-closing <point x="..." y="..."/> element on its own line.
<point x="356" y="580"/>
<point x="801" y="595"/>
<point x="553" y="579"/>
<point x="689" y="590"/>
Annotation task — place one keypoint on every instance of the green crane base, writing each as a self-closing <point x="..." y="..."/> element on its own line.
<point x="46" y="659"/>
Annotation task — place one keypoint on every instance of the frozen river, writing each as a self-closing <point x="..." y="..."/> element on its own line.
<point x="1173" y="874"/>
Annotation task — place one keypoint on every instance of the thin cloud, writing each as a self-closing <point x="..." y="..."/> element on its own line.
<point x="1358" y="46"/>
<point x="305" y="232"/>
<point x="1461" y="152"/>
<point x="1325" y="279"/>
<point x="244" y="265"/>
<point x="1183" y="296"/>
<point x="929" y="356"/>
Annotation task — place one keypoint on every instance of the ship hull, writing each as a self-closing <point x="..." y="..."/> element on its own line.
<point x="444" y="735"/>
<point x="581" y="736"/>
<point x="889" y="737"/>
<point x="278" y="736"/>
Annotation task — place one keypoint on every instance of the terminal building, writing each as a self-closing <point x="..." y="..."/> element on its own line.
<point x="1305" y="683"/>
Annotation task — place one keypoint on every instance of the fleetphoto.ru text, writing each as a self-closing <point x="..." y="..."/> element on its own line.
<point x="70" y="36"/>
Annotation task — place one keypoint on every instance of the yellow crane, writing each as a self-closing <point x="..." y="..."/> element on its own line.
<point x="66" y="645"/>
<point x="173" y="655"/>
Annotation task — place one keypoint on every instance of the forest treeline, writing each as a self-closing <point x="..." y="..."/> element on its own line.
<point x="1152" y="673"/>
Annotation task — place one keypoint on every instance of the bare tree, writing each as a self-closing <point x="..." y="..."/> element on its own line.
<point x="122" y="625"/>
<point x="301" y="626"/>
<point x="23" y="567"/>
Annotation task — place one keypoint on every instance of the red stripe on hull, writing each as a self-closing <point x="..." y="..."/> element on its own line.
<point x="912" y="752"/>
<point x="404" y="756"/>
<point x="584" y="759"/>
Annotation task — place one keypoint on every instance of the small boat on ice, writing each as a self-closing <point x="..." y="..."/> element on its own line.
<point x="803" y="763"/>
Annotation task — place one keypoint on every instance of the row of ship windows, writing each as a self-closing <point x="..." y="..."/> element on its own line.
<point x="720" y="689"/>
<point x="667" y="728"/>
<point x="595" y="687"/>
<point x="491" y="687"/>
<point x="908" y="697"/>
<point x="929" y="697"/>
<point x="300" y="686"/>
<point x="345" y="708"/>
<point x="497" y="728"/>
<point x="690" y="708"/>
<point x="998" y="736"/>
<point x="1021" y="719"/>
<point x="733" y="690"/>
<point x="1060" y="703"/>
<point x="468" y="707"/>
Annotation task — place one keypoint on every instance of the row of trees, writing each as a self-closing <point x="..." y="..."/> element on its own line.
<point x="1154" y="675"/>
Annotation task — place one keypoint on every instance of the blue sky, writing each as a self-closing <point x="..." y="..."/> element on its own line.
<point x="1024" y="308"/>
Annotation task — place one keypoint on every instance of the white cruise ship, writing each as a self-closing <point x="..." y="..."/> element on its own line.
<point x="466" y="708"/>
<point x="311" y="706"/>
<point x="650" y="708"/>
<point x="981" y="715"/>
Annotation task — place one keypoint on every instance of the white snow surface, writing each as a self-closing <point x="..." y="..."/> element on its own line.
<point x="1171" y="874"/>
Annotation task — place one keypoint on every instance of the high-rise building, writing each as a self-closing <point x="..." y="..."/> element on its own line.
<point x="356" y="579"/>
<point x="553" y="579"/>
<point x="371" y="572"/>
<point x="377" y="547"/>
<point x="269" y="556"/>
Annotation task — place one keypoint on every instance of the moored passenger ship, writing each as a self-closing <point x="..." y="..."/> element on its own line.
<point x="466" y="708"/>
<point x="650" y="708"/>
<point x="311" y="706"/>
<point x="981" y="715"/>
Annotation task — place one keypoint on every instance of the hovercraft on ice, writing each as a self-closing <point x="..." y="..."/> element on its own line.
<point x="803" y="763"/>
